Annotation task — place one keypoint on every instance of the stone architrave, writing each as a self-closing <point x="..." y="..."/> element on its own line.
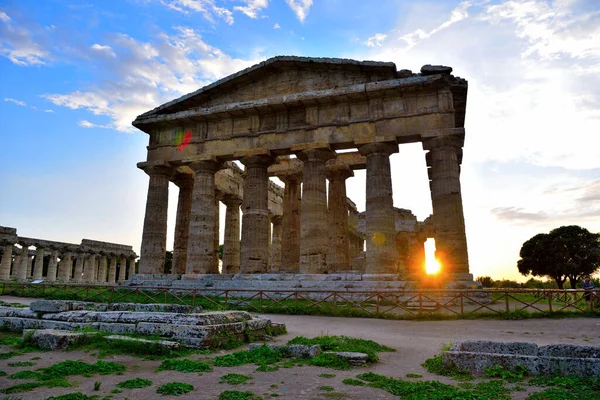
<point x="122" y="269"/>
<point x="380" y="215"/>
<point x="154" y="235"/>
<point x="78" y="274"/>
<point x="24" y="264"/>
<point x="231" y="242"/>
<point x="448" y="217"/>
<point x="313" y="219"/>
<point x="6" y="261"/>
<point x="201" y="241"/>
<point x="102" y="265"/>
<point x="52" y="265"/>
<point x="185" y="182"/>
<point x="38" y="267"/>
<point x="112" y="269"/>
<point x="339" y="251"/>
<point x="254" y="253"/>
<point x="275" y="255"/>
<point x="131" y="269"/>
<point x="65" y="267"/>
<point x="89" y="268"/>
<point x="290" y="241"/>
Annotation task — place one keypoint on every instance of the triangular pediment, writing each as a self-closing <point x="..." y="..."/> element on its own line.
<point x="280" y="76"/>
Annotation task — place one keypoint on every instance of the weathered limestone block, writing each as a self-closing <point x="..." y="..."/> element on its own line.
<point x="17" y="312"/>
<point x="164" y="344"/>
<point x="292" y="350"/>
<point x="569" y="350"/>
<point x="50" y="306"/>
<point x="115" y="328"/>
<point x="73" y="316"/>
<point x="487" y="346"/>
<point x="354" y="358"/>
<point x="51" y="339"/>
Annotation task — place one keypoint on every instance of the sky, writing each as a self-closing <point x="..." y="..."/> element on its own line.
<point x="74" y="74"/>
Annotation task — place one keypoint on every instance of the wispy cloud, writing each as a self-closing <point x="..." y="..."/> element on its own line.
<point x="276" y="26"/>
<point x="376" y="40"/>
<point x="106" y="50"/>
<point x="17" y="102"/>
<point x="18" y="44"/>
<point x="300" y="8"/>
<point x="87" y="124"/>
<point x="49" y="111"/>
<point x="252" y="8"/>
<point x="207" y="8"/>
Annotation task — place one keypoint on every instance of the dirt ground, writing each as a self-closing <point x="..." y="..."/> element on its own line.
<point x="414" y="341"/>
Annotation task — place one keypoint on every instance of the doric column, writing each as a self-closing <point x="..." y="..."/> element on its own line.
<point x="275" y="258"/>
<point x="201" y="241"/>
<point x="112" y="269"/>
<point x="313" y="219"/>
<point x="122" y="269"/>
<point x="89" y="268"/>
<point x="6" y="261"/>
<point x="78" y="274"/>
<point x="449" y="221"/>
<point x="154" y="236"/>
<point x="24" y="262"/>
<point x="131" y="269"/>
<point x="29" y="266"/>
<point x="254" y="254"/>
<point x="339" y="252"/>
<point x="290" y="243"/>
<point x="185" y="182"/>
<point x="65" y="267"/>
<point x="38" y="267"/>
<point x="379" y="215"/>
<point x="231" y="242"/>
<point x="215" y="265"/>
<point x="102" y="265"/>
<point x="51" y="274"/>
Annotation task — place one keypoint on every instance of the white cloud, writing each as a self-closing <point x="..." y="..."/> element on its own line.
<point x="103" y="49"/>
<point x="49" y="111"/>
<point x="147" y="74"/>
<point x="207" y="8"/>
<point x="87" y="124"/>
<point x="17" y="102"/>
<point x="18" y="45"/>
<point x="276" y="26"/>
<point x="253" y="7"/>
<point x="300" y="8"/>
<point x="376" y="40"/>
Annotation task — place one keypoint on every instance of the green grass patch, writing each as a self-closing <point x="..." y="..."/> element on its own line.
<point x="234" y="379"/>
<point x="262" y="355"/>
<point x="327" y="375"/>
<point x="2" y="373"/>
<point x="237" y="395"/>
<point x="184" y="366"/>
<point x="69" y="367"/>
<point x="343" y="343"/>
<point x="174" y="389"/>
<point x="73" y="396"/>
<point x="9" y="354"/>
<point x="413" y="375"/>
<point x="21" y="364"/>
<point x="25" y="375"/>
<point x="435" y="365"/>
<point x="29" y="386"/>
<point x="498" y="371"/>
<point x="329" y="360"/>
<point x="136" y="383"/>
<point x="326" y="388"/>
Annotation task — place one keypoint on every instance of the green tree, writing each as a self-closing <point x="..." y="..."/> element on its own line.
<point x="168" y="262"/>
<point x="486" y="281"/>
<point x="569" y="252"/>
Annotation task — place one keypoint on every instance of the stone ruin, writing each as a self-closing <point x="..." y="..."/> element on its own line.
<point x="178" y="325"/>
<point x="91" y="261"/>
<point x="306" y="121"/>
<point x="475" y="356"/>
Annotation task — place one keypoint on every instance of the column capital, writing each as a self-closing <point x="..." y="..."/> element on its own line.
<point x="231" y="200"/>
<point x="315" y="154"/>
<point x="208" y="165"/>
<point x="339" y="173"/>
<point x="387" y="148"/>
<point x="182" y="179"/>
<point x="291" y="178"/>
<point x="156" y="170"/>
<point x="260" y="160"/>
<point x="276" y="218"/>
<point x="453" y="141"/>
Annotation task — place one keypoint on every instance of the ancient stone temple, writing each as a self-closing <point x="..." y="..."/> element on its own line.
<point x="91" y="261"/>
<point x="291" y="117"/>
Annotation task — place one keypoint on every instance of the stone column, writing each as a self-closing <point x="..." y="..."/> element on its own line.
<point x="290" y="243"/>
<point x="51" y="274"/>
<point x="185" y="182"/>
<point x="254" y="255"/>
<point x="313" y="220"/>
<point x="6" y="261"/>
<point x="215" y="265"/>
<point x="24" y="262"/>
<point x="339" y="251"/>
<point x="154" y="236"/>
<point x="449" y="221"/>
<point x="65" y="267"/>
<point x="123" y="269"/>
<point x="379" y="215"/>
<point x="78" y="274"/>
<point x="112" y="269"/>
<point x="275" y="260"/>
<point x="102" y="265"/>
<point x="201" y="241"/>
<point x="38" y="267"/>
<point x="231" y="242"/>
<point x="89" y="268"/>
<point x="131" y="270"/>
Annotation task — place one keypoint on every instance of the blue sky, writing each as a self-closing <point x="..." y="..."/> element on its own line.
<point x="74" y="74"/>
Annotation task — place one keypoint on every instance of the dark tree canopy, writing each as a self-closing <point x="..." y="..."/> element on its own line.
<point x="569" y="252"/>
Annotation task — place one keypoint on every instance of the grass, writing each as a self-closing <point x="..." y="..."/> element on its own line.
<point x="73" y="396"/>
<point x="184" y="366"/>
<point x="237" y="395"/>
<point x="21" y="364"/>
<point x="515" y="375"/>
<point x="326" y="388"/>
<point x="29" y="386"/>
<point x="174" y="389"/>
<point x="25" y="375"/>
<point x="136" y="383"/>
<point x="262" y="355"/>
<point x="435" y="365"/>
<point x="234" y="379"/>
<point x="343" y="343"/>
<point x="327" y="375"/>
<point x="413" y="375"/>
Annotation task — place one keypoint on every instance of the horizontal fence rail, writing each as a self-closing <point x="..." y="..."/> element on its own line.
<point x="399" y="304"/>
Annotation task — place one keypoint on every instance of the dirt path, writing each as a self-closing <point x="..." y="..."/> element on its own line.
<point x="415" y="341"/>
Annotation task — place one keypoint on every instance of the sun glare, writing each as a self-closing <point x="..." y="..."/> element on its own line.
<point x="432" y="266"/>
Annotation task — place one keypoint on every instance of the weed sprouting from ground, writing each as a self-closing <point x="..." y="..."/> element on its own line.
<point x="327" y="375"/>
<point x="184" y="366"/>
<point x="343" y="343"/>
<point x="26" y="387"/>
<point x="136" y="383"/>
<point x="21" y="364"/>
<point x="237" y="395"/>
<point x="262" y="355"/>
<point x="515" y="375"/>
<point x="435" y="366"/>
<point x="69" y="367"/>
<point x="234" y="379"/>
<point x="413" y="375"/>
<point x="73" y="396"/>
<point x="25" y="375"/>
<point x="175" y="388"/>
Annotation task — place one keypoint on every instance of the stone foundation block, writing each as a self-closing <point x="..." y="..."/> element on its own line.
<point x="164" y="344"/>
<point x="117" y="328"/>
<point x="49" y="306"/>
<point x="486" y="346"/>
<point x="354" y="358"/>
<point x="569" y="350"/>
<point x="50" y="339"/>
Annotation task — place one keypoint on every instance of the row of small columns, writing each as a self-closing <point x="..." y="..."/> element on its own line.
<point x="88" y="267"/>
<point x="302" y="250"/>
